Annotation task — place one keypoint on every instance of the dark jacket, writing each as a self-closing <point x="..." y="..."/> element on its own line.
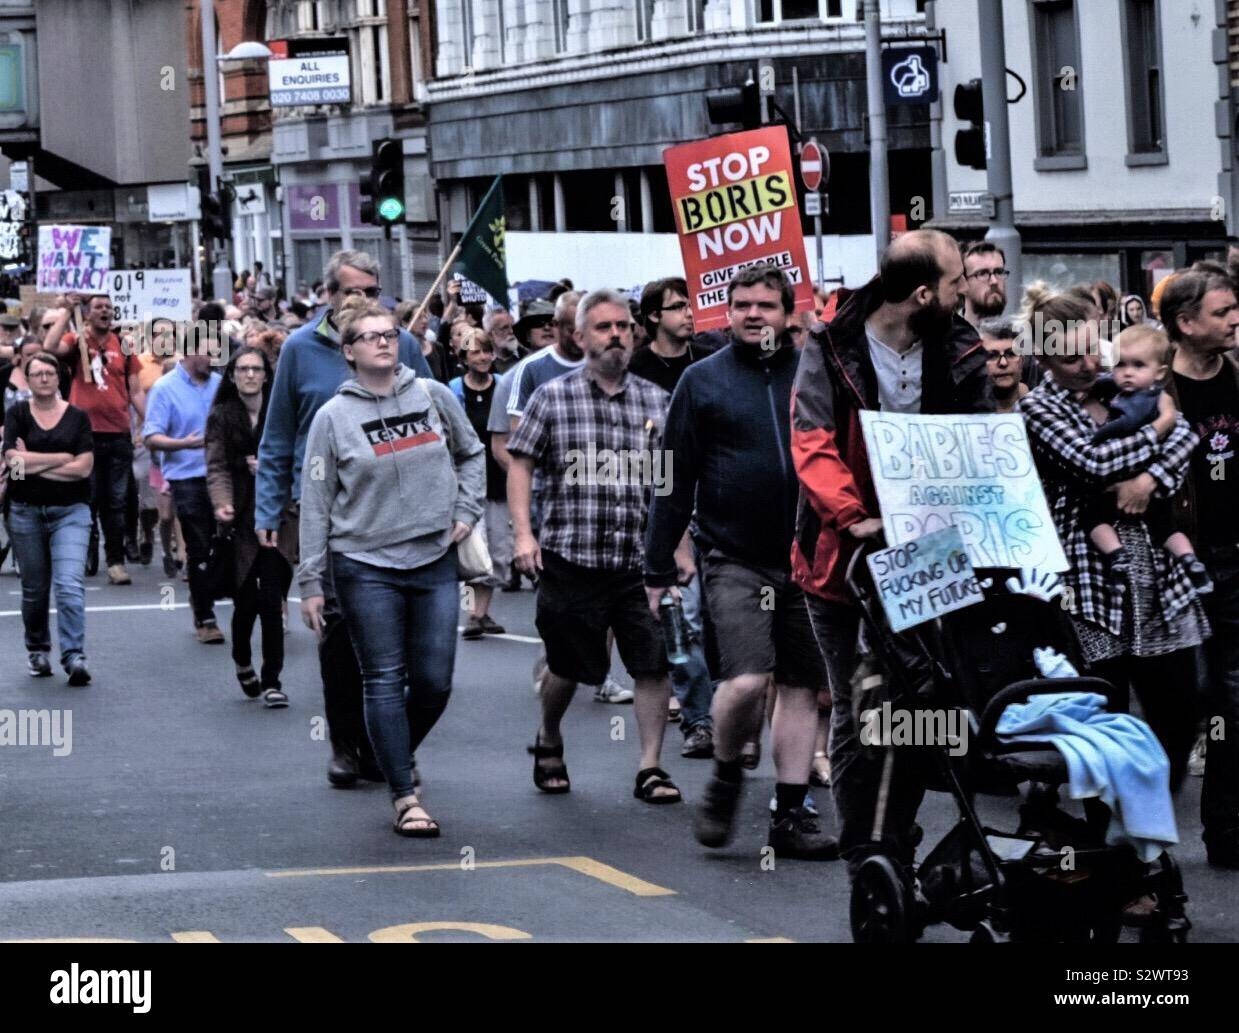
<point x="836" y="380"/>
<point x="229" y="439"/>
<point x="728" y="435"/>
<point x="1185" y="505"/>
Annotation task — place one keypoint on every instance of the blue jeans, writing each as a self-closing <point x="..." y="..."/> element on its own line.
<point x="50" y="545"/>
<point x="691" y="681"/>
<point x="402" y="624"/>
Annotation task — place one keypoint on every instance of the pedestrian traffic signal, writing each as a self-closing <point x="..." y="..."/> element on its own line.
<point x="970" y="146"/>
<point x="382" y="189"/>
<point x="736" y="104"/>
<point x="216" y="218"/>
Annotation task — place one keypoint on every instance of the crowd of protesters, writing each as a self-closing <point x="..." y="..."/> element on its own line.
<point x="363" y="452"/>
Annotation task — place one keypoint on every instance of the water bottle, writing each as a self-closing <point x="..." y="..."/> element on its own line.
<point x="675" y="629"/>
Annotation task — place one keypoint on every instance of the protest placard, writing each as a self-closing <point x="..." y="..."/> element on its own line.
<point x="924" y="579"/>
<point x="975" y="473"/>
<point x="471" y="293"/>
<point x="142" y="294"/>
<point x="74" y="258"/>
<point x="735" y="206"/>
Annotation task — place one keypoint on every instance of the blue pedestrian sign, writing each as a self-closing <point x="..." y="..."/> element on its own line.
<point x="910" y="75"/>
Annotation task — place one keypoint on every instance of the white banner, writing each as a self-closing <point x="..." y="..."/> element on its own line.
<point x="975" y="473"/>
<point x="142" y="294"/>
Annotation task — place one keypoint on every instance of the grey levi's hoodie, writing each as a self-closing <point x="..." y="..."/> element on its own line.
<point x="381" y="470"/>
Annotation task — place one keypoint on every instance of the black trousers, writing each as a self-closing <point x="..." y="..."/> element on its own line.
<point x="193" y="510"/>
<point x="341" y="674"/>
<point x="109" y="481"/>
<point x="1166" y="688"/>
<point x="260" y="597"/>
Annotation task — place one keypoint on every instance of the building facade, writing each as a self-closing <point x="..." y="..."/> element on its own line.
<point x="574" y="101"/>
<point x="1116" y="161"/>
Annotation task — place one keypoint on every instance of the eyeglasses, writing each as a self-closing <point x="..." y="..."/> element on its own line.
<point x="986" y="274"/>
<point x="358" y="292"/>
<point x="679" y="306"/>
<point x="374" y="336"/>
<point x="1002" y="356"/>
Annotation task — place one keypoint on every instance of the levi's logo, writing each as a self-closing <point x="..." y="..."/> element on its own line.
<point x="396" y="433"/>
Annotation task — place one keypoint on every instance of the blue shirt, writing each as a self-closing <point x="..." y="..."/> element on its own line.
<point x="178" y="406"/>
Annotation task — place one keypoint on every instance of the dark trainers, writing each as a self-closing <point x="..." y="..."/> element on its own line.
<point x="39" y="665"/>
<point x="491" y="627"/>
<point x="698" y="743"/>
<point x="799" y="837"/>
<point x="473" y="629"/>
<point x="1223" y="851"/>
<point x="208" y="632"/>
<point x="714" y="818"/>
<point x="77" y="671"/>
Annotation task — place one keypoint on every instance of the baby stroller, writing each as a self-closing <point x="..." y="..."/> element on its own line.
<point x="1054" y="879"/>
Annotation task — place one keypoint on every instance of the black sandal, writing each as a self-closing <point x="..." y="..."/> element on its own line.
<point x="250" y="684"/>
<point x="650" y="779"/>
<point x="543" y="774"/>
<point x="429" y="827"/>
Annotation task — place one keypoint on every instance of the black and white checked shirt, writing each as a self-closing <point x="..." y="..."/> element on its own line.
<point x="572" y="427"/>
<point x="1074" y="469"/>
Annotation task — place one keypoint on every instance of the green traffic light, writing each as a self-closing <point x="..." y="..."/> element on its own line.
<point x="391" y="208"/>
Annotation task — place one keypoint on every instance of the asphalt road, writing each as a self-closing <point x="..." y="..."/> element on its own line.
<point x="185" y="811"/>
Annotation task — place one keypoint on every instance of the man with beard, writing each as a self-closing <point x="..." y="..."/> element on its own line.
<point x="985" y="289"/>
<point x="587" y="552"/>
<point x="896" y="346"/>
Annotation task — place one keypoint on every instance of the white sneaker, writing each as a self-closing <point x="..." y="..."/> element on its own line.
<point x="1196" y="762"/>
<point x="611" y="692"/>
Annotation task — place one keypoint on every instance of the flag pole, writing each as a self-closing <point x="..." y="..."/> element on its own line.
<point x="435" y="286"/>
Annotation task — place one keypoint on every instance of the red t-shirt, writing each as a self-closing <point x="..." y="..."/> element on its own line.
<point x="105" y="397"/>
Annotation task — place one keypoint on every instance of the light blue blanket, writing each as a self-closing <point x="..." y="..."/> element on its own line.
<point x="1112" y="756"/>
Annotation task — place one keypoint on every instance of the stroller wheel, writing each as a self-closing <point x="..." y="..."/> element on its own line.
<point x="881" y="907"/>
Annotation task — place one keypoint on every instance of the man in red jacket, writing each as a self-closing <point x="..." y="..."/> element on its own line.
<point x="896" y="345"/>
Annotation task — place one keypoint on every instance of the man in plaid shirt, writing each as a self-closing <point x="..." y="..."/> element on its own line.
<point x="594" y="436"/>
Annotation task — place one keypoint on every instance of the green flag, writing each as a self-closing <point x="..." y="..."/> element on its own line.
<point x="481" y="256"/>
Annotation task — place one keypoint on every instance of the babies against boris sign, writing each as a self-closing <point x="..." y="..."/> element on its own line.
<point x="735" y="206"/>
<point x="975" y="473"/>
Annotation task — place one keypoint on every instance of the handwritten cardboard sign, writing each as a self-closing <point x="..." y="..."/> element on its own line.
<point x="975" y="473"/>
<point x="923" y="579"/>
<point x="74" y="259"/>
<point x="142" y="294"/>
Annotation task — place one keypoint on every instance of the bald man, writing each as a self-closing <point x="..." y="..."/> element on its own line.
<point x="896" y="345"/>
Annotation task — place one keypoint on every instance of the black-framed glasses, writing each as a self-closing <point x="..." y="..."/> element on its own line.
<point x="1003" y="356"/>
<point x="679" y="306"/>
<point x="374" y="336"/>
<point x="358" y="292"/>
<point x="985" y="274"/>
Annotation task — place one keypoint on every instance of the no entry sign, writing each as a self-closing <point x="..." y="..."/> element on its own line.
<point x="812" y="166"/>
<point x="735" y="206"/>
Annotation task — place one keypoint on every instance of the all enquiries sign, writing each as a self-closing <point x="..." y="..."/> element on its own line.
<point x="308" y="71"/>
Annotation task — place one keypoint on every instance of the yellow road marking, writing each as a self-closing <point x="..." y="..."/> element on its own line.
<point x="408" y="933"/>
<point x="313" y="934"/>
<point x="583" y="865"/>
<point x="197" y="936"/>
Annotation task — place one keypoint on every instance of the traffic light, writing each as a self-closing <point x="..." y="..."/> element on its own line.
<point x="382" y="189"/>
<point x="216" y="218"/>
<point x="736" y="104"/>
<point x="970" y="142"/>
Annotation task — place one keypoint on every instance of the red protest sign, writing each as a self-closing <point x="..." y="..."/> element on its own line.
<point x="735" y="206"/>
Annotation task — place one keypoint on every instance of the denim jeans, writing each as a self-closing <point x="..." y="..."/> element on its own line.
<point x="109" y="482"/>
<point x="691" y="681"/>
<point x="856" y="769"/>
<point x="1219" y="799"/>
<point x="50" y="543"/>
<point x="402" y="624"/>
<point x="193" y="510"/>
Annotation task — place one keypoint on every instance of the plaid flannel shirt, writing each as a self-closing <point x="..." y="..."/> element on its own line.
<point x="1074" y="469"/>
<point x="592" y="512"/>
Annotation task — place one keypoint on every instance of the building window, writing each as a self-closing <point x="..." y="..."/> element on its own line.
<point x="776" y="11"/>
<point x="1059" y="85"/>
<point x="696" y="15"/>
<point x="466" y="33"/>
<point x="645" y="19"/>
<point x="1143" y="50"/>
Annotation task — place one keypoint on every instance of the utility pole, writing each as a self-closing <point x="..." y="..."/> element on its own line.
<point x="1002" y="231"/>
<point x="879" y="177"/>
<point x="221" y="278"/>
